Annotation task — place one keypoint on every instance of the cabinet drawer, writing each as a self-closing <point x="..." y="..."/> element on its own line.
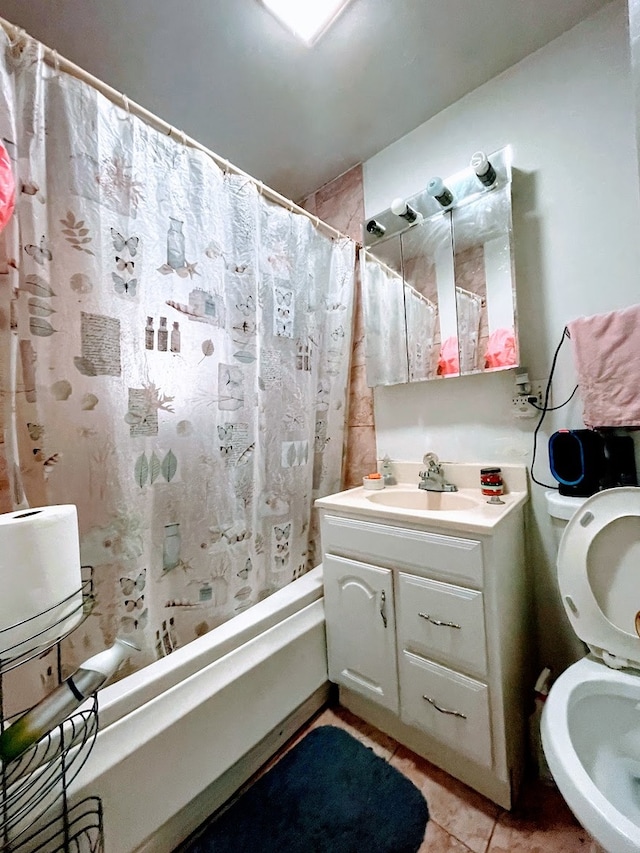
<point x="456" y="710"/>
<point x="444" y="557"/>
<point x="442" y="621"/>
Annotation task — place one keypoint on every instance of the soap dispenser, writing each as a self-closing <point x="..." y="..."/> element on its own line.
<point x="386" y="469"/>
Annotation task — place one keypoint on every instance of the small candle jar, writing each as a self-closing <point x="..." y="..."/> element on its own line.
<point x="373" y="481"/>
<point x="491" y="482"/>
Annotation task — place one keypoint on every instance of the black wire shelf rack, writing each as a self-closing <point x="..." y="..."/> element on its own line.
<point x="35" y="814"/>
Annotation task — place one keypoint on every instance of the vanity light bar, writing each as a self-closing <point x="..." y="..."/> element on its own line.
<point x="485" y="174"/>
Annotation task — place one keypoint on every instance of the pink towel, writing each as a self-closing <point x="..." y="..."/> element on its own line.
<point x="606" y="350"/>
<point x="449" y="358"/>
<point x="501" y="349"/>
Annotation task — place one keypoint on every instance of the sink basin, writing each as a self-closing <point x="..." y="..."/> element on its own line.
<point x="421" y="499"/>
<point x="465" y="511"/>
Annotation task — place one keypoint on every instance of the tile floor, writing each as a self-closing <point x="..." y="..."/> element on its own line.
<point x="462" y="821"/>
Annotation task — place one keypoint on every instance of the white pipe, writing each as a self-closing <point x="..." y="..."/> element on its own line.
<point x="19" y="38"/>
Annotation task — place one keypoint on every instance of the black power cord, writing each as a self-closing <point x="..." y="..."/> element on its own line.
<point x="546" y="408"/>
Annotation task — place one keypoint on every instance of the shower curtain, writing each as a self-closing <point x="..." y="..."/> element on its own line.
<point x="174" y="361"/>
<point x="421" y="315"/>
<point x="386" y="338"/>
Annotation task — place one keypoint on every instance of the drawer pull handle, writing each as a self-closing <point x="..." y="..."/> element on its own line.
<point x="383" y="607"/>
<point x="438" y="622"/>
<point x="445" y="710"/>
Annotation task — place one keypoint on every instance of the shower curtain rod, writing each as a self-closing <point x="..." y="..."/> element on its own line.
<point x="19" y="38"/>
<point x="471" y="294"/>
<point x="381" y="264"/>
<point x="424" y="299"/>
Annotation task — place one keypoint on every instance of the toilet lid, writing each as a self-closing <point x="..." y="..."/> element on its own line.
<point x="599" y="575"/>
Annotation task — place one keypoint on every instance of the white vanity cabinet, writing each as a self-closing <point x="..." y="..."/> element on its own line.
<point x="427" y="638"/>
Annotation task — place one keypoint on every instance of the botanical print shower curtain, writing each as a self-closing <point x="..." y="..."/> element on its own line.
<point x="174" y="361"/>
<point x="386" y="338"/>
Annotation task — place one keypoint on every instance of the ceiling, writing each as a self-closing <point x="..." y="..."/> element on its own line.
<point x="228" y="74"/>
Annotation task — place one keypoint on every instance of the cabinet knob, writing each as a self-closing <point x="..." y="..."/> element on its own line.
<point x="445" y="710"/>
<point x="438" y="622"/>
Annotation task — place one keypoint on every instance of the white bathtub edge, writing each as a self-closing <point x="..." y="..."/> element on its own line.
<point x="123" y="697"/>
<point x="153" y="763"/>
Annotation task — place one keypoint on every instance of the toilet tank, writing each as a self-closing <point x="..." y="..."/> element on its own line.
<point x="561" y="508"/>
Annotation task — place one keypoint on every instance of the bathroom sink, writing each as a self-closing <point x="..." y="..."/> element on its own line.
<point x="464" y="511"/>
<point x="423" y="500"/>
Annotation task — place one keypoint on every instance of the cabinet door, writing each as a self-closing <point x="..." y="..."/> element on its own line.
<point x="361" y="629"/>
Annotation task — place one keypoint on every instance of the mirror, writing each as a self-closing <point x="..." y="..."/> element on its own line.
<point x="439" y="292"/>
<point x="383" y="307"/>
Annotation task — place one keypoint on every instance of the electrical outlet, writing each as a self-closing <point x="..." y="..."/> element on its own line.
<point x="521" y="403"/>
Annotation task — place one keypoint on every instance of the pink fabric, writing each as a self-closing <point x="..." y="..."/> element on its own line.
<point x="501" y="349"/>
<point x="606" y="350"/>
<point x="449" y="359"/>
<point x="7" y="188"/>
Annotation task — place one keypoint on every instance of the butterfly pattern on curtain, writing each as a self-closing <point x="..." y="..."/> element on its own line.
<point x="174" y="362"/>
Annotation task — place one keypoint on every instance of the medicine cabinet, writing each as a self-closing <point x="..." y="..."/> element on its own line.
<point x="439" y="293"/>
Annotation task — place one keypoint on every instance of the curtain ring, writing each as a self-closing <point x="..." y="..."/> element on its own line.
<point x="226" y="166"/>
<point x="126" y="105"/>
<point x="183" y="138"/>
<point x="317" y="219"/>
<point x="56" y="62"/>
<point x="260" y="187"/>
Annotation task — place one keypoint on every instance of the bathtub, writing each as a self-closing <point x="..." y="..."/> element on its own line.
<point x="179" y="737"/>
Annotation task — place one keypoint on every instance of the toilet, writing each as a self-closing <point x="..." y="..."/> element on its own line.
<point x="591" y="720"/>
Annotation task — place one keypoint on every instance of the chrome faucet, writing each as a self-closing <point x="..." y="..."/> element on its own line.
<point x="432" y="478"/>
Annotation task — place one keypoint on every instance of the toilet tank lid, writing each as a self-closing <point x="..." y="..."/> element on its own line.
<point x="562" y="506"/>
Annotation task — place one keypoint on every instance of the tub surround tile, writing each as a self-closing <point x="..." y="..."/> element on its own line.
<point x="459" y="810"/>
<point x="360" y="399"/>
<point x="361" y="455"/>
<point x="309" y="204"/>
<point x="358" y="352"/>
<point x="341" y="203"/>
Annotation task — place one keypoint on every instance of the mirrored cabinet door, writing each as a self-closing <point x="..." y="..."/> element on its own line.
<point x="485" y="283"/>
<point x="383" y="306"/>
<point x="430" y="310"/>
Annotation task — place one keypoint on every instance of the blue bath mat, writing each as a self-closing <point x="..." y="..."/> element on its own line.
<point x="329" y="794"/>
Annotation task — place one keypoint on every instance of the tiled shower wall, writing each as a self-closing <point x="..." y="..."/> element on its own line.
<point x="340" y="203"/>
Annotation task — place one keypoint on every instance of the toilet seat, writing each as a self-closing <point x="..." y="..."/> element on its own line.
<point x="599" y="575"/>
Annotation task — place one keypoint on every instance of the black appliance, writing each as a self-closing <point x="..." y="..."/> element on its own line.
<point x="585" y="461"/>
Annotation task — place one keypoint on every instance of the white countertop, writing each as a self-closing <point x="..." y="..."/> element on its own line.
<point x="482" y="517"/>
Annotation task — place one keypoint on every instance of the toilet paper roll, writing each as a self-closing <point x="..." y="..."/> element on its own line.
<point x="40" y="578"/>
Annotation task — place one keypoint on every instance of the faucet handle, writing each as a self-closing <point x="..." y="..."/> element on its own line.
<point x="431" y="461"/>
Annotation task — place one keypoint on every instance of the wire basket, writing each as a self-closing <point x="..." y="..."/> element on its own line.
<point x="45" y="639"/>
<point x="34" y="809"/>
<point x="78" y="830"/>
<point x="33" y="782"/>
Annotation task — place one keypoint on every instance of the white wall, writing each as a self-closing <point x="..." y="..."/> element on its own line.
<point x="567" y="110"/>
